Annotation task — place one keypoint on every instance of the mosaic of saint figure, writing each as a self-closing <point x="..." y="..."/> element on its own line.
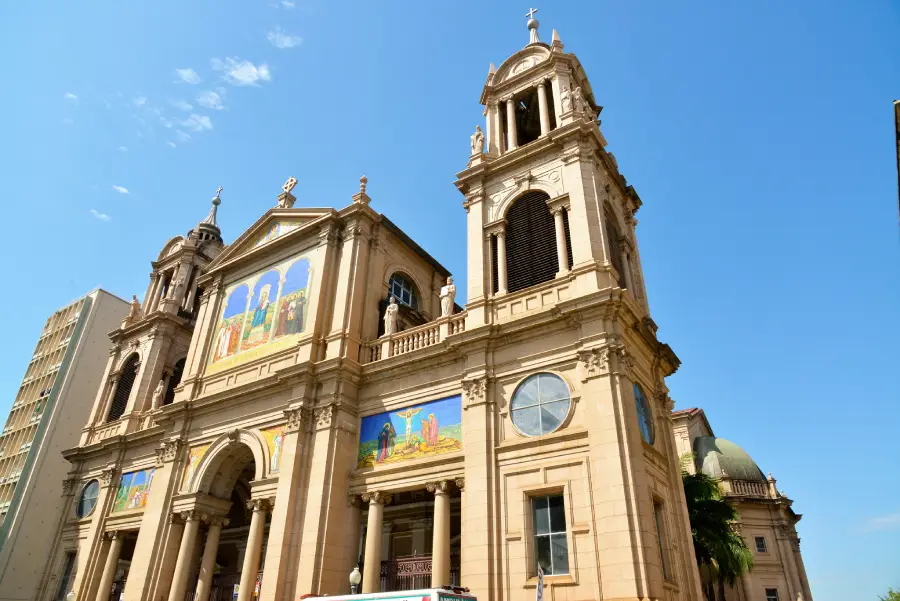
<point x="386" y="442"/>
<point x="408" y="415"/>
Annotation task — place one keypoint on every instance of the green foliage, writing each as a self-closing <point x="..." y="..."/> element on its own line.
<point x="892" y="595"/>
<point x="722" y="555"/>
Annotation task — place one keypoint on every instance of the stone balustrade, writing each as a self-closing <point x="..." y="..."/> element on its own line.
<point x="104" y="431"/>
<point x="412" y="339"/>
<point x="746" y="488"/>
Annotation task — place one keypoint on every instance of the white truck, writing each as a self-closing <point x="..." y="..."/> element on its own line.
<point x="425" y="594"/>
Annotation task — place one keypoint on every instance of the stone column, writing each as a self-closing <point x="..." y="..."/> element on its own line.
<point x="151" y="294"/>
<point x="371" y="582"/>
<point x="561" y="250"/>
<point x="544" y="109"/>
<point x="254" y="549"/>
<point x="112" y="563"/>
<point x="440" y="546"/>
<point x="501" y="262"/>
<point x="208" y="563"/>
<point x="512" y="139"/>
<point x="626" y="265"/>
<point x="183" y="563"/>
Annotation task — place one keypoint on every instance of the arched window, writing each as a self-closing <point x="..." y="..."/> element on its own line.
<point x="615" y="246"/>
<point x="174" y="381"/>
<point x="401" y="288"/>
<point x="88" y="499"/>
<point x="123" y="389"/>
<point x="530" y="242"/>
<point x="645" y="418"/>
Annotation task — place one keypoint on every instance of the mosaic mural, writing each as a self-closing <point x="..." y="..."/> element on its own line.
<point x="194" y="457"/>
<point x="134" y="490"/>
<point x="263" y="313"/>
<point x="275" y="439"/>
<point x="275" y="230"/>
<point x="422" y="430"/>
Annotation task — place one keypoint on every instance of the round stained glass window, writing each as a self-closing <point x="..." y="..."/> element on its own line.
<point x="88" y="499"/>
<point x="645" y="418"/>
<point x="540" y="404"/>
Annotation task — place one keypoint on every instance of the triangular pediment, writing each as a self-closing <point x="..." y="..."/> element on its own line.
<point x="271" y="229"/>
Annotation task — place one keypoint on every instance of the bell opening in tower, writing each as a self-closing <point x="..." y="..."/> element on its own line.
<point x="528" y="117"/>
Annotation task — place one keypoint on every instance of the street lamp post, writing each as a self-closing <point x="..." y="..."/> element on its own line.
<point x="355" y="579"/>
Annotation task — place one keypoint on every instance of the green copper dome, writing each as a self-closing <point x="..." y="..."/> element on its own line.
<point x="722" y="458"/>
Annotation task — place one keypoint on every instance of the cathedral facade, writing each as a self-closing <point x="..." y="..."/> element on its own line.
<point x="311" y="398"/>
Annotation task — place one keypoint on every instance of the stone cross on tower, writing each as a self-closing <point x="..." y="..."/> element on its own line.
<point x="532" y="27"/>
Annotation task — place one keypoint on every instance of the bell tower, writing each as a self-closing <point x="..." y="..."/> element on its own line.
<point x="548" y="210"/>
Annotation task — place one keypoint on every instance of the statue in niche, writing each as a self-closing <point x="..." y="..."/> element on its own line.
<point x="158" y="394"/>
<point x="390" y="317"/>
<point x="578" y="103"/>
<point x="566" y="98"/>
<point x="448" y="295"/>
<point x="134" y="311"/>
<point x="477" y="142"/>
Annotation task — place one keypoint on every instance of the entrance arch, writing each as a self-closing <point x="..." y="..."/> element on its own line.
<point x="225" y="460"/>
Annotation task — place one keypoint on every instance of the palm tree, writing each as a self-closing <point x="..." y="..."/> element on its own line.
<point x="722" y="555"/>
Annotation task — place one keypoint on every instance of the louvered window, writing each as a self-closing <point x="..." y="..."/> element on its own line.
<point x="123" y="389"/>
<point x="174" y="381"/>
<point x="615" y="247"/>
<point x="530" y="242"/>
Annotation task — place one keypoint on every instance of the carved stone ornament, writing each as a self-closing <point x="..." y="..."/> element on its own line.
<point x="69" y="485"/>
<point x="216" y="520"/>
<point x="460" y="483"/>
<point x="324" y="415"/>
<point x="234" y="435"/>
<point x="376" y="498"/>
<point x="259" y="504"/>
<point x="190" y="514"/>
<point x="294" y="420"/>
<point x="475" y="391"/>
<point x="289" y="185"/>
<point x="106" y="476"/>
<point x="168" y="451"/>
<point x="594" y="362"/>
<point x="441" y="487"/>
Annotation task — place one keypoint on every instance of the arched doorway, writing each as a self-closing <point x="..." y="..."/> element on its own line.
<point x="222" y="552"/>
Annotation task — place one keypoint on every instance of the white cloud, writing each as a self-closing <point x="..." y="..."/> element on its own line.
<point x="170" y="143"/>
<point x="123" y="149"/>
<point x="120" y="189"/>
<point x="210" y="100"/>
<point x="100" y="216"/>
<point x="139" y="101"/>
<point x="241" y="73"/>
<point x="197" y="122"/>
<point x="182" y="136"/>
<point x="280" y="39"/>
<point x="165" y="122"/>
<point x="188" y="76"/>
<point x="880" y="523"/>
<point x="70" y="96"/>
<point x="181" y="105"/>
<point x="288" y="4"/>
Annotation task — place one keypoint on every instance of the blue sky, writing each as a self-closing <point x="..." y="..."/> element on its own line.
<point x="758" y="134"/>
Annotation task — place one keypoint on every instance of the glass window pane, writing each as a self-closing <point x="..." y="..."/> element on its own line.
<point x="526" y="395"/>
<point x="541" y="515"/>
<point x="542" y="554"/>
<point x="553" y="388"/>
<point x="560" y="553"/>
<point x="553" y="414"/>
<point x="528" y="421"/>
<point x="557" y="514"/>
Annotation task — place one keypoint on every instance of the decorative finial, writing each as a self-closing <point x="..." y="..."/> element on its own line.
<point x="556" y="44"/>
<point x="216" y="201"/>
<point x="361" y="196"/>
<point x="533" y="25"/>
<point x="289" y="184"/>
